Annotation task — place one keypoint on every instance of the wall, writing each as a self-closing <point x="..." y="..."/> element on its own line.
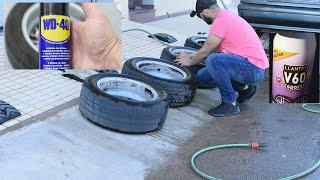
<point x="148" y="2"/>
<point x="173" y="6"/>
<point x="123" y="5"/>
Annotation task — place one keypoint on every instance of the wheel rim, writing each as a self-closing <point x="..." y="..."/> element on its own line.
<point x="161" y="70"/>
<point x="177" y="51"/>
<point x="30" y="22"/>
<point x="201" y="41"/>
<point x="127" y="89"/>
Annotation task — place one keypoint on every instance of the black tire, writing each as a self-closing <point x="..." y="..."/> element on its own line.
<point x="167" y="54"/>
<point x="7" y="112"/>
<point x="195" y="42"/>
<point x="180" y="92"/>
<point x="21" y="55"/>
<point x="120" y="114"/>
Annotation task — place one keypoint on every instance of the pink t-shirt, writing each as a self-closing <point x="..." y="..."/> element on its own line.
<point x="239" y="38"/>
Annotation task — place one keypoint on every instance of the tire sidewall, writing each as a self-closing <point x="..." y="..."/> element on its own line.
<point x="91" y="82"/>
<point x="26" y="58"/>
<point x="192" y="42"/>
<point x="132" y="65"/>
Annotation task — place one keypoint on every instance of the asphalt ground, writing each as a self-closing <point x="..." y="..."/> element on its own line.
<point x="293" y="138"/>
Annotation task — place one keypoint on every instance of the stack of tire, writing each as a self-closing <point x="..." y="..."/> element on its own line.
<point x="180" y="91"/>
<point x="137" y="100"/>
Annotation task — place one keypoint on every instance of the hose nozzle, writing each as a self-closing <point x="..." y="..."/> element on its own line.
<point x="257" y="145"/>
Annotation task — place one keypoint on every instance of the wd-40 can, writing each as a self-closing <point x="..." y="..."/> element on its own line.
<point x="55" y="36"/>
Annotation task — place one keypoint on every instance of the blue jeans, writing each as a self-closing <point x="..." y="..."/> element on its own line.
<point x="230" y="73"/>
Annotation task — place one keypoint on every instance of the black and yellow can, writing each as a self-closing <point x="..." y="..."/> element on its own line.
<point x="55" y="36"/>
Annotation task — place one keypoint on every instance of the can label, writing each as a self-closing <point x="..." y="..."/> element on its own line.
<point x="279" y="54"/>
<point x="290" y="82"/>
<point x="55" y="42"/>
<point x="295" y="77"/>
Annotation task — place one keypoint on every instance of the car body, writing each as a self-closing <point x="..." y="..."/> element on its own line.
<point x="301" y="15"/>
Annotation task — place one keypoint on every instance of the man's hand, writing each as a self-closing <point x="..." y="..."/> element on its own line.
<point x="210" y="46"/>
<point x="185" y="60"/>
<point x="94" y="44"/>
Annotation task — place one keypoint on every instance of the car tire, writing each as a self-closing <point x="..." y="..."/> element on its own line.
<point x="168" y="53"/>
<point x="195" y="42"/>
<point x="21" y="55"/>
<point x="7" y="112"/>
<point x="114" y="112"/>
<point x="181" y="91"/>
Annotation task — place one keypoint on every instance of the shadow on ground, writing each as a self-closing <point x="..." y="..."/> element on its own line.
<point x="292" y="134"/>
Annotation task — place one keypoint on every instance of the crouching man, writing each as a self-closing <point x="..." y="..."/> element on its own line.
<point x="233" y="54"/>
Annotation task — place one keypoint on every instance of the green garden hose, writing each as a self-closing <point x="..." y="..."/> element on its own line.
<point x="253" y="145"/>
<point x="311" y="107"/>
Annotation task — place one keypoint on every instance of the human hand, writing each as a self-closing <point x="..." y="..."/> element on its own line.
<point x="184" y="60"/>
<point x="94" y="44"/>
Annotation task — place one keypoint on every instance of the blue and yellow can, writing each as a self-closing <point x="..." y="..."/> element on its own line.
<point x="55" y="36"/>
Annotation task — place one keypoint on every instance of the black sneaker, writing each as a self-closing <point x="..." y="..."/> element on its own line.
<point x="246" y="95"/>
<point x="224" y="109"/>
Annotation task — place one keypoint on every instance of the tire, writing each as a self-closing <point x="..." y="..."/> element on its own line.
<point x="7" y="112"/>
<point x="181" y="91"/>
<point x="168" y="54"/>
<point x="195" y="42"/>
<point x="21" y="55"/>
<point x="120" y="114"/>
<point x="20" y="47"/>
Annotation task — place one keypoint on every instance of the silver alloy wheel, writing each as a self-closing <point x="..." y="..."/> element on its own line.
<point x="201" y="41"/>
<point x="182" y="50"/>
<point x="161" y="70"/>
<point x="127" y="89"/>
<point x="30" y="22"/>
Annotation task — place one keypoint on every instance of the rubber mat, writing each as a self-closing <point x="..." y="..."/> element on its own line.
<point x="7" y="112"/>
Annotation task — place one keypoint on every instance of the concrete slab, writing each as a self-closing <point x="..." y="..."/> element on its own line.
<point x="67" y="146"/>
<point x="34" y="92"/>
<point x="184" y="24"/>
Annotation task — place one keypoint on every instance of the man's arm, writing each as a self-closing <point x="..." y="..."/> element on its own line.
<point x="211" y="45"/>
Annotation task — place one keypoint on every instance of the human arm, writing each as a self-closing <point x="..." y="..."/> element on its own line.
<point x="211" y="45"/>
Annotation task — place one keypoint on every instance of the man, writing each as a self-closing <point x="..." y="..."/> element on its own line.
<point x="233" y="54"/>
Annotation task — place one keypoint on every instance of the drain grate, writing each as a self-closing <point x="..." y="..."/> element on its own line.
<point x="7" y="112"/>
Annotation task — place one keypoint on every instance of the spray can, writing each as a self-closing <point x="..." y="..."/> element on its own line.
<point x="55" y="36"/>
<point x="293" y="60"/>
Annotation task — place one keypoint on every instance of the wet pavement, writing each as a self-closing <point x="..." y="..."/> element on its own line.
<point x="292" y="134"/>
